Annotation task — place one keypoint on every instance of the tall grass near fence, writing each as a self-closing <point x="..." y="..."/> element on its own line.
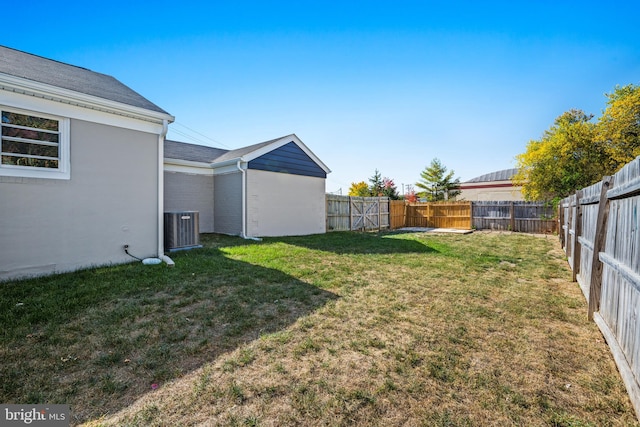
<point x="601" y="237"/>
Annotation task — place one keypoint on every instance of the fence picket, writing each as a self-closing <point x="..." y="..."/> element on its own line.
<point x="608" y="235"/>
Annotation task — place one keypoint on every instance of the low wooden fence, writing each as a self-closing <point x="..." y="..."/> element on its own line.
<point x="524" y="217"/>
<point x="600" y="233"/>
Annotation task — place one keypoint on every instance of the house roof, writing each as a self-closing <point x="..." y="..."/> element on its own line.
<point x="218" y="157"/>
<point x="251" y="152"/>
<point x="70" y="77"/>
<point x="191" y="152"/>
<point x="240" y="152"/>
<point x="501" y="175"/>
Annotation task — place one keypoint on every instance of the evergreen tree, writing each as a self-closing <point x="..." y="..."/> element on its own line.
<point x="377" y="187"/>
<point x="437" y="183"/>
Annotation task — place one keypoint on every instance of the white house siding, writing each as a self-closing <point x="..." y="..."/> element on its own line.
<point x="280" y="204"/>
<point x="111" y="199"/>
<point x="190" y="192"/>
<point x="227" y="199"/>
<point x="490" y="191"/>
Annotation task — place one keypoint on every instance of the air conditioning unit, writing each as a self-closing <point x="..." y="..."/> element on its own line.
<point x="181" y="230"/>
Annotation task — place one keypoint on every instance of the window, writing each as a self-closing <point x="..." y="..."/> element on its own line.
<point x="33" y="145"/>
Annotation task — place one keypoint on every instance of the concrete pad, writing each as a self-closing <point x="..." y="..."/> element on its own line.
<point x="435" y="230"/>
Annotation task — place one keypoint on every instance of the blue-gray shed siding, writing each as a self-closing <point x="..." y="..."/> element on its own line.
<point x="289" y="158"/>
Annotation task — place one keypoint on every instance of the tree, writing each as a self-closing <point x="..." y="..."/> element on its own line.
<point x="376" y="188"/>
<point x="379" y="187"/>
<point x="619" y="126"/>
<point x="389" y="189"/>
<point x="437" y="183"/>
<point x="565" y="159"/>
<point x="359" y="189"/>
<point x="410" y="196"/>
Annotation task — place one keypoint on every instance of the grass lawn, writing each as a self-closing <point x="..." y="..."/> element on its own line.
<point x="338" y="329"/>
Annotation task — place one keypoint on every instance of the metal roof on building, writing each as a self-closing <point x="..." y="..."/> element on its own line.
<point x="502" y="175"/>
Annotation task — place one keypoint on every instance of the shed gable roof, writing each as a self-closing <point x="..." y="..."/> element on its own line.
<point x="289" y="158"/>
<point x="57" y="74"/>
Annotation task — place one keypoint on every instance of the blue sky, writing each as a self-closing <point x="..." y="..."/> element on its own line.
<point x="365" y="85"/>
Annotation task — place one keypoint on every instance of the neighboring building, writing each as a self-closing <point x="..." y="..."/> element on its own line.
<point x="494" y="186"/>
<point x="81" y="170"/>
<point x="275" y="188"/>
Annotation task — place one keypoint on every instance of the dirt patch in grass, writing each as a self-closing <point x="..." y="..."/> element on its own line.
<point x="338" y="329"/>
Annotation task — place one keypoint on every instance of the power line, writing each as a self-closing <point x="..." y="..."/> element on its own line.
<point x="190" y="137"/>
<point x="198" y="133"/>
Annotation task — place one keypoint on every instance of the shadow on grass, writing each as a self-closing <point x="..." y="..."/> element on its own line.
<point x="347" y="242"/>
<point x="99" y="339"/>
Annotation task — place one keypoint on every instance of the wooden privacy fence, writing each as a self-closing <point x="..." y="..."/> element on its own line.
<point x="438" y="215"/>
<point x="525" y="217"/>
<point x="347" y="213"/>
<point x="600" y="233"/>
<point x="374" y="213"/>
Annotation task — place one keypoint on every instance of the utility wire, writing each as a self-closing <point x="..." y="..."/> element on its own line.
<point x="198" y="133"/>
<point x="190" y="137"/>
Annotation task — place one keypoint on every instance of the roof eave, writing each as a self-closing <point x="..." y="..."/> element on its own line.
<point x="247" y="157"/>
<point x="181" y="162"/>
<point x="53" y="93"/>
<point x="283" y="141"/>
<point x="228" y="162"/>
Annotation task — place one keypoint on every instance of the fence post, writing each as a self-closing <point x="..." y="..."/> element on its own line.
<point x="350" y="215"/>
<point x="406" y="210"/>
<point x="577" y="248"/>
<point x="512" y="219"/>
<point x="561" y="223"/>
<point x="570" y="246"/>
<point x="595" y="287"/>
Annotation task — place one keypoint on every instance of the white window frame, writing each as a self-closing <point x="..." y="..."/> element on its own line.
<point x="63" y="171"/>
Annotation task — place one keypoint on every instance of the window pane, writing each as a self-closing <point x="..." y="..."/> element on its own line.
<point x="33" y="149"/>
<point x="29" y="121"/>
<point x="24" y="161"/>
<point x="29" y="134"/>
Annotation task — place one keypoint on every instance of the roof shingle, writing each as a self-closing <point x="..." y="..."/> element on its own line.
<point x="82" y="80"/>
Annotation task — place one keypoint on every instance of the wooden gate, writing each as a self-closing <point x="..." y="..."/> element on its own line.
<point x="369" y="213"/>
<point x="357" y="213"/>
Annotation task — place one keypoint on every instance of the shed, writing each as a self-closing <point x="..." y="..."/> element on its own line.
<point x="274" y="188"/>
<point x="494" y="186"/>
<point x="81" y="168"/>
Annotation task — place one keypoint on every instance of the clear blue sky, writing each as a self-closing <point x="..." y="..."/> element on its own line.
<point x="365" y="85"/>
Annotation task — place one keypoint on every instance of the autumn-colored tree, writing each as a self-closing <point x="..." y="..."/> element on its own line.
<point x="437" y="183"/>
<point x="379" y="187"/>
<point x="619" y="126"/>
<point x="565" y="159"/>
<point x="359" y="189"/>
<point x="410" y="196"/>
<point x="389" y="189"/>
